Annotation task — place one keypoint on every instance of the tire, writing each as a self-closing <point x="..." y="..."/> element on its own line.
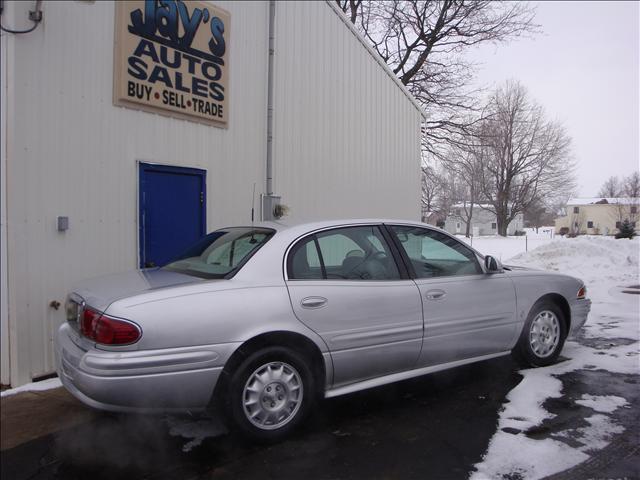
<point x="542" y="336"/>
<point x="270" y="394"/>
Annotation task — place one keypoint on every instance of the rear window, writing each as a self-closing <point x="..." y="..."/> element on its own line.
<point x="221" y="253"/>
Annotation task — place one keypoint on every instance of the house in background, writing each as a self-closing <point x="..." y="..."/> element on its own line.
<point x="597" y="216"/>
<point x="483" y="221"/>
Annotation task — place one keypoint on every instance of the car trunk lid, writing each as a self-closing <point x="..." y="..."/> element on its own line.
<point x="100" y="292"/>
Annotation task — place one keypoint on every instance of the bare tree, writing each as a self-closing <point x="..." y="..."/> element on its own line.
<point x="450" y="191"/>
<point x="525" y="157"/>
<point x="577" y="221"/>
<point x="350" y="8"/>
<point x="631" y="185"/>
<point x="423" y="42"/>
<point x="466" y="164"/>
<point x="431" y="188"/>
<point x="611" y="188"/>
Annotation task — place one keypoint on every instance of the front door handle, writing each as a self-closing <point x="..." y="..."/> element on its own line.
<point x="313" y="302"/>
<point x="435" y="294"/>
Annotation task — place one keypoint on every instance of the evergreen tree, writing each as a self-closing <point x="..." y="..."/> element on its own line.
<point x="626" y="230"/>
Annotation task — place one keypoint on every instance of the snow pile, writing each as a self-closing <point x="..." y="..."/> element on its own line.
<point x="605" y="265"/>
<point x="33" y="387"/>
<point x="591" y="258"/>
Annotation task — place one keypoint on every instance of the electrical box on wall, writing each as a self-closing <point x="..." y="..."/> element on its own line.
<point x="63" y="224"/>
<point x="269" y="203"/>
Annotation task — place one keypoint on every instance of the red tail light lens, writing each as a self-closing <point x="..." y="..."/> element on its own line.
<point x="107" y="330"/>
<point x="111" y="331"/>
<point x="89" y="319"/>
<point x="582" y="293"/>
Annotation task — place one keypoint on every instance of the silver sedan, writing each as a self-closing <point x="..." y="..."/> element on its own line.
<point x="261" y="321"/>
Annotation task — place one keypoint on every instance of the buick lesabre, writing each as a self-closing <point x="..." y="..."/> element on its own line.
<point x="261" y="321"/>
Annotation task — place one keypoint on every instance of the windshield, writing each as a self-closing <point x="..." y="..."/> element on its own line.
<point x="221" y="253"/>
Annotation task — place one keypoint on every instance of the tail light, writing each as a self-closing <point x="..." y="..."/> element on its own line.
<point x="89" y="319"/>
<point x="108" y="330"/>
<point x="112" y="331"/>
<point x="582" y="293"/>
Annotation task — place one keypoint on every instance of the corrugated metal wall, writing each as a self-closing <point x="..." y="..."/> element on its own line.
<point x="347" y="138"/>
<point x="346" y="144"/>
<point x="73" y="153"/>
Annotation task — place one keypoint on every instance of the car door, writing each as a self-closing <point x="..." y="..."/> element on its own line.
<point x="346" y="285"/>
<point x="467" y="313"/>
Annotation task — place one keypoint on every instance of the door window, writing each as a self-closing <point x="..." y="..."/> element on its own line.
<point x="352" y="253"/>
<point x="434" y="254"/>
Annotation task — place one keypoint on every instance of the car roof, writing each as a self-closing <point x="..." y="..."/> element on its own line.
<point x="303" y="227"/>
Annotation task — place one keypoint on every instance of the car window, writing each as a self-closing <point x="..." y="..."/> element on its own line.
<point x="304" y="262"/>
<point x="220" y="253"/>
<point x="352" y="253"/>
<point x="434" y="254"/>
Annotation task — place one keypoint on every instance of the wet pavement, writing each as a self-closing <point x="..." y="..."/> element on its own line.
<point x="437" y="426"/>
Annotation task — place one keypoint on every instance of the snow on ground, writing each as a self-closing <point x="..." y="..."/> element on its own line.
<point x="602" y="403"/>
<point x="33" y="387"/>
<point x="504" y="248"/>
<point x="605" y="265"/>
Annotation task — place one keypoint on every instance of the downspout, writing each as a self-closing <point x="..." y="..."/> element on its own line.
<point x="270" y="88"/>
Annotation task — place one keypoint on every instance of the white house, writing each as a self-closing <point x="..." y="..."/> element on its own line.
<point x="483" y="221"/>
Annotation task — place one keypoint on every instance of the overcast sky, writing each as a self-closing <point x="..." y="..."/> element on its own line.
<point x="584" y="69"/>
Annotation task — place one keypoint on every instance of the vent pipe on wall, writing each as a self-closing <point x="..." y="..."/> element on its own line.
<point x="270" y="88"/>
<point x="267" y="203"/>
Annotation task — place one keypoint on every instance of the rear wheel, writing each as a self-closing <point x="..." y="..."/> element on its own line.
<point x="543" y="335"/>
<point x="270" y="393"/>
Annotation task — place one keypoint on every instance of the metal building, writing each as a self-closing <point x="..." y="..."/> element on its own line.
<point x="111" y="113"/>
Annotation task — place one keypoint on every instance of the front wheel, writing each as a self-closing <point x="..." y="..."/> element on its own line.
<point x="270" y="393"/>
<point x="542" y="337"/>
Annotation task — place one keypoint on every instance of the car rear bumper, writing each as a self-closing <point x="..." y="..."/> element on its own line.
<point x="579" y="313"/>
<point x="151" y="381"/>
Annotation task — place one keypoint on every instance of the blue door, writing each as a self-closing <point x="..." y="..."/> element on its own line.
<point x="172" y="211"/>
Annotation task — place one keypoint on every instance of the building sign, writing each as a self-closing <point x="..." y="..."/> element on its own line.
<point x="171" y="57"/>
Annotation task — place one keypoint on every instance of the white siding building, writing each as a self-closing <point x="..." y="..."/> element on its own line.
<point x="483" y="221"/>
<point x="81" y="166"/>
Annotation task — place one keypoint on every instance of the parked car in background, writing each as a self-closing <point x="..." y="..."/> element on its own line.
<point x="261" y="321"/>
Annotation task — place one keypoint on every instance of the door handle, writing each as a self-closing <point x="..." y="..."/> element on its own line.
<point x="313" y="302"/>
<point x="435" y="294"/>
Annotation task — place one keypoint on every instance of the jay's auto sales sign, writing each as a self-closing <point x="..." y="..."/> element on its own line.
<point x="171" y="57"/>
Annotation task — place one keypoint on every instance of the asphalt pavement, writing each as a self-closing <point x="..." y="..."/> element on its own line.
<point x="434" y="427"/>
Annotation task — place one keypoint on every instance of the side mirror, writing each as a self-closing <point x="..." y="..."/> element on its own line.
<point x="492" y="265"/>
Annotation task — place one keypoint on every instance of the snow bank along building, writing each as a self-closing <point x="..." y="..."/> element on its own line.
<point x="128" y="130"/>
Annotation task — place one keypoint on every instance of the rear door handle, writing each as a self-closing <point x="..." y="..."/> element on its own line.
<point x="313" y="302"/>
<point x="435" y="294"/>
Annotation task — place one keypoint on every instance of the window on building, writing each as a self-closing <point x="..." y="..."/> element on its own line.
<point x="589" y="224"/>
<point x="494" y="226"/>
<point x="618" y="224"/>
<point x="457" y="212"/>
<point x="576" y="209"/>
<point x="634" y="209"/>
<point x="576" y="224"/>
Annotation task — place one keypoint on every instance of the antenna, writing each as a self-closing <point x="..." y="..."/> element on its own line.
<point x="253" y="201"/>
